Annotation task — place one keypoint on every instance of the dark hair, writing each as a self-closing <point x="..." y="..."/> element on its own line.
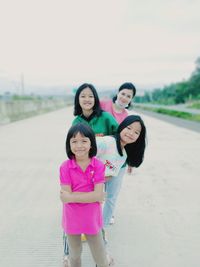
<point x="77" y="108"/>
<point x="84" y="130"/>
<point x="128" y="86"/>
<point x="135" y="151"/>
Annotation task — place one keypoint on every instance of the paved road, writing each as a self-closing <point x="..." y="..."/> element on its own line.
<point x="158" y="213"/>
<point x="188" y="124"/>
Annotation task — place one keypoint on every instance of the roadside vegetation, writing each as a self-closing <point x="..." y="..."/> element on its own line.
<point x="186" y="92"/>
<point x="171" y="112"/>
<point x="17" y="107"/>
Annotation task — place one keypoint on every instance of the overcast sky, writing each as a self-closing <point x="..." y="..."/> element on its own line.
<point x="105" y="42"/>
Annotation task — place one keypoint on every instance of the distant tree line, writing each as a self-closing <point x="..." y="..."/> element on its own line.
<point x="176" y="93"/>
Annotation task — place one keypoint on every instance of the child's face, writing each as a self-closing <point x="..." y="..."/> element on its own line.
<point x="86" y="99"/>
<point x="131" y="133"/>
<point x="125" y="96"/>
<point x="80" y="146"/>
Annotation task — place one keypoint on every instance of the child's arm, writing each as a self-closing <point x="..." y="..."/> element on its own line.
<point x="65" y="189"/>
<point x="82" y="197"/>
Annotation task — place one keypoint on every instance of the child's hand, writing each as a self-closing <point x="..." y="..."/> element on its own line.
<point x="65" y="196"/>
<point x="102" y="197"/>
<point x="130" y="170"/>
<point x="107" y="178"/>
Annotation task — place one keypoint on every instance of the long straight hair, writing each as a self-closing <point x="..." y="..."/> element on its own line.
<point x="77" y="108"/>
<point x="135" y="151"/>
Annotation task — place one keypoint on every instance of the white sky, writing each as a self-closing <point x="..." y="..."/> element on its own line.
<point x="104" y="42"/>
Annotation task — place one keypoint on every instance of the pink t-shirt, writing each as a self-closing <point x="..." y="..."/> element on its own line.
<point x="82" y="217"/>
<point x="107" y="106"/>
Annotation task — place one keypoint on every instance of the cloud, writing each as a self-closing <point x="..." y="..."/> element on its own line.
<point x="101" y="41"/>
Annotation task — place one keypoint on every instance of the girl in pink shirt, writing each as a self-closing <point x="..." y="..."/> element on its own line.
<point x="82" y="180"/>
<point x="121" y="102"/>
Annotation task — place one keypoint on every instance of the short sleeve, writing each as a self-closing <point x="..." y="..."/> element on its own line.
<point x="64" y="175"/>
<point x="75" y="121"/>
<point x="111" y="123"/>
<point x="99" y="172"/>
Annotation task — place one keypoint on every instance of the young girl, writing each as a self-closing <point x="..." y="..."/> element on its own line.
<point x="128" y="145"/>
<point x="82" y="180"/>
<point x="87" y="110"/>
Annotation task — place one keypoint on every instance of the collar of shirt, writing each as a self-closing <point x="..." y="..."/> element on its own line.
<point x="88" y="118"/>
<point x="74" y="165"/>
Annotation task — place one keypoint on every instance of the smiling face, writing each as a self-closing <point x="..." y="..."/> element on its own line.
<point x="124" y="97"/>
<point x="80" y="146"/>
<point x="86" y="100"/>
<point x="131" y="133"/>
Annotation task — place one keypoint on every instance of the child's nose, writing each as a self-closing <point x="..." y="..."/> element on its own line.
<point x="124" y="97"/>
<point x="79" y="144"/>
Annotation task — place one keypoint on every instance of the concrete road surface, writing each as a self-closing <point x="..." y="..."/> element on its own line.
<point x="158" y="211"/>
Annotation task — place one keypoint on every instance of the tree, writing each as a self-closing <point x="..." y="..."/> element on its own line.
<point x="181" y="92"/>
<point x="194" y="81"/>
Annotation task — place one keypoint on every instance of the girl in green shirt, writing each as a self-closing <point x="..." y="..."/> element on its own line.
<point x="87" y="110"/>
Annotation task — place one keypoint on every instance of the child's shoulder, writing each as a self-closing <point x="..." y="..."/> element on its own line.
<point x="96" y="162"/>
<point x="76" y="119"/>
<point x="105" y="142"/>
<point x="107" y="114"/>
<point x="66" y="164"/>
<point x="105" y="102"/>
<point x="105" y="138"/>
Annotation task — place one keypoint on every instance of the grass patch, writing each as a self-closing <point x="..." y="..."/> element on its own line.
<point x="174" y="113"/>
<point x="195" y="105"/>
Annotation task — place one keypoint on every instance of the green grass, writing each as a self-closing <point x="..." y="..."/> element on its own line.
<point x="174" y="113"/>
<point x="195" y="105"/>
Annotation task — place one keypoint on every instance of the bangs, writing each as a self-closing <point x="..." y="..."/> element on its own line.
<point x="129" y="120"/>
